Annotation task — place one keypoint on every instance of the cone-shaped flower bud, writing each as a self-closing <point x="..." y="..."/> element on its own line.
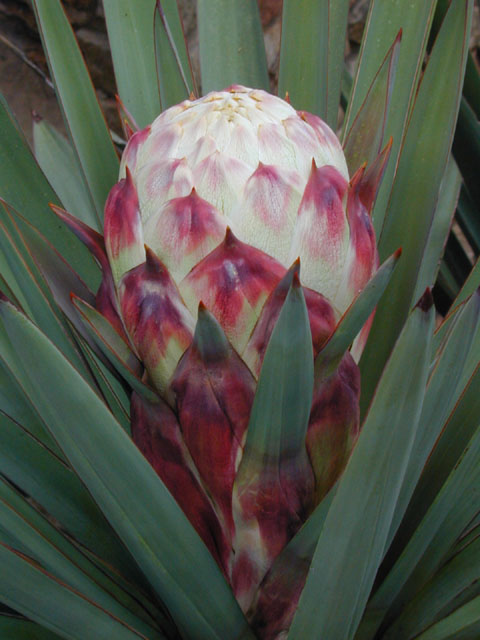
<point x="228" y="191"/>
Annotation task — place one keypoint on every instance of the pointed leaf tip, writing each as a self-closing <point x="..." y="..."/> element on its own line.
<point x="209" y="338"/>
<point x="91" y="239"/>
<point x="426" y="301"/>
<point x="128" y="176"/>
<point x="295" y="268"/>
<point x="153" y="262"/>
<point x="230" y="237"/>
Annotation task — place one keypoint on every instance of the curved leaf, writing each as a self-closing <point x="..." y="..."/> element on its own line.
<point x="453" y="509"/>
<point x="83" y="117"/>
<point x="154" y="529"/>
<point x="36" y="537"/>
<point x="58" y="162"/>
<point x="365" y="137"/>
<point x="384" y="20"/>
<point x="417" y="183"/>
<point x="463" y="624"/>
<point x="351" y="545"/>
<point x="24" y="187"/>
<point x="36" y="594"/>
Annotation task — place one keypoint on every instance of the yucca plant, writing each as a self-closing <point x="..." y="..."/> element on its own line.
<point x="243" y="417"/>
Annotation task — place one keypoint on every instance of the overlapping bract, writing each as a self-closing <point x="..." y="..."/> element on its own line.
<point x="217" y="198"/>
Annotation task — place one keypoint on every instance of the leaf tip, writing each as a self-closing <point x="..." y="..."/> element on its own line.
<point x="426" y="301"/>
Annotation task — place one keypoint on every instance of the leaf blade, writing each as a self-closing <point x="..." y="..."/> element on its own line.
<point x="362" y="508"/>
<point x="417" y="182"/>
<point x="231" y="45"/>
<point x="155" y="530"/>
<point x="83" y="117"/>
<point x="311" y="55"/>
<point x="130" y="33"/>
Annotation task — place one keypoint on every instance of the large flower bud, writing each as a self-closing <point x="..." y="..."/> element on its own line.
<point x="228" y="191"/>
<point x="224" y="205"/>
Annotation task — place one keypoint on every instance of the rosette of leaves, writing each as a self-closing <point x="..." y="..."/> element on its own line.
<point x="94" y="541"/>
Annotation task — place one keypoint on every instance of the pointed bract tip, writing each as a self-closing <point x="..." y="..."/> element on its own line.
<point x="293" y="270"/>
<point x="209" y="339"/>
<point x="128" y="176"/>
<point x="152" y="261"/>
<point x="426" y="301"/>
<point x="62" y="213"/>
<point x="37" y="118"/>
<point x="398" y="253"/>
<point x="399" y="35"/>
<point x="357" y="177"/>
<point x="287" y="97"/>
<point x="230" y="239"/>
<point x="295" y="266"/>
